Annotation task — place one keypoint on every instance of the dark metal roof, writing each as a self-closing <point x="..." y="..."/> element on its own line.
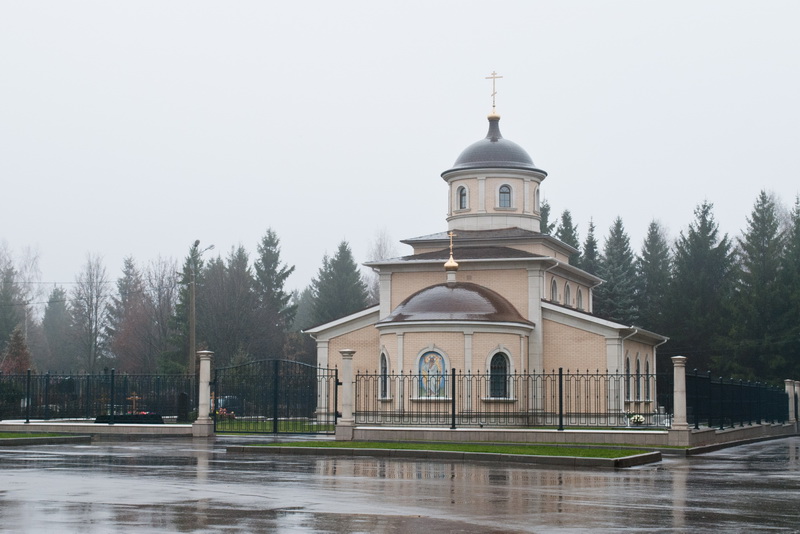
<point x="456" y="301"/>
<point x="475" y="235"/>
<point x="472" y="253"/>
<point x="494" y="152"/>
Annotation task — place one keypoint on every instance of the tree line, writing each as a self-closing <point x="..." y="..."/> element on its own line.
<point x="729" y="304"/>
<point x="140" y="322"/>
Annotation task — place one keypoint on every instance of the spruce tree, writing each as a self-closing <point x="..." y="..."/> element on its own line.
<point x="654" y="270"/>
<point x="12" y="305"/>
<point x="57" y="332"/>
<point x="616" y="297"/>
<point x="129" y="323"/>
<point x="16" y="359"/>
<point x="790" y="277"/>
<point x="759" y="299"/>
<point x="590" y="258"/>
<point x="568" y="233"/>
<point x="546" y="226"/>
<point x="699" y="301"/>
<point x="275" y="308"/>
<point x="338" y="288"/>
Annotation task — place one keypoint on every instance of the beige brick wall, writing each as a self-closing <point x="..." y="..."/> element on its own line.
<point x="485" y="343"/>
<point x="450" y="343"/>
<point x="645" y="353"/>
<point x="364" y="341"/>
<point x="572" y="348"/>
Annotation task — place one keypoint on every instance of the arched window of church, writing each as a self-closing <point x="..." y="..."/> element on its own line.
<point x="647" y="379"/>
<point x="536" y="200"/>
<point x="554" y="291"/>
<point x="638" y="380"/>
<point x="504" y="199"/>
<point x="462" y="198"/>
<point x="432" y="375"/>
<point x="498" y="376"/>
<point x="567" y="295"/>
<point x="627" y="378"/>
<point x="384" y="378"/>
<point x="579" y="299"/>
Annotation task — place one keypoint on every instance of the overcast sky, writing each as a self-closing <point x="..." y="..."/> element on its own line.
<point x="134" y="128"/>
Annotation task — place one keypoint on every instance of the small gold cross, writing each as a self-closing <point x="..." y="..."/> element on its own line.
<point x="494" y="77"/>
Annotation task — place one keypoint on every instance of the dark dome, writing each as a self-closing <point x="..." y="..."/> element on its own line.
<point x="455" y="301"/>
<point x="493" y="152"/>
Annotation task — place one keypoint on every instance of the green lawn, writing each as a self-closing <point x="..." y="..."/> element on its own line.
<point x="528" y="450"/>
<point x="4" y="435"/>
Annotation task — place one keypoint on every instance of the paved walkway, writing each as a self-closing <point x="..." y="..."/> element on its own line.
<point x="181" y="485"/>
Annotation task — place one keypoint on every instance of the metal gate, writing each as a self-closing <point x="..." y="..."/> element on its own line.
<point x="275" y="396"/>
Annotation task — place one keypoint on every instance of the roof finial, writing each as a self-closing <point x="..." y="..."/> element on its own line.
<point x="451" y="266"/>
<point x="494" y="77"/>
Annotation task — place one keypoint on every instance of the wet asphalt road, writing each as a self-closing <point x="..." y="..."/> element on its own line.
<point x="193" y="486"/>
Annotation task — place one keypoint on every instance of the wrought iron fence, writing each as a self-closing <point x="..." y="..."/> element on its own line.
<point x="724" y="403"/>
<point x="89" y="396"/>
<point x="275" y="396"/>
<point x="554" y="399"/>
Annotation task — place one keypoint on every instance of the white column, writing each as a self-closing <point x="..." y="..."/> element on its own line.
<point x="679" y="394"/>
<point x="204" y="426"/>
<point x="790" y="392"/>
<point x="344" y="428"/>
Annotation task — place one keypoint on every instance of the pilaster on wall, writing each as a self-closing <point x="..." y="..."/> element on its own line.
<point x="615" y="359"/>
<point x="536" y="343"/>
<point x="322" y="353"/>
<point x="385" y="285"/>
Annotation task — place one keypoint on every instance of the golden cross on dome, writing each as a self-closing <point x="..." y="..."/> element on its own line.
<point x="494" y="77"/>
<point x="451" y="235"/>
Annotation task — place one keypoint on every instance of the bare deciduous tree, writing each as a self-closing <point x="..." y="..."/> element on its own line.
<point x="89" y="307"/>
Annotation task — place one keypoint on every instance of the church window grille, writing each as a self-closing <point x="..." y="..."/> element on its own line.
<point x="504" y="200"/>
<point x="554" y="291"/>
<point x="384" y="376"/>
<point x="579" y="300"/>
<point x="638" y="382"/>
<point x="462" y="198"/>
<point x="567" y="295"/>
<point x="498" y="376"/>
<point x="627" y="378"/>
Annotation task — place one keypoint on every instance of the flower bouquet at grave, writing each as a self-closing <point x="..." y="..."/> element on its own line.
<point x="223" y="414"/>
<point x="635" y="419"/>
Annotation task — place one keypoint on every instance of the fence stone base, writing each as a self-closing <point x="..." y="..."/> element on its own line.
<point x="641" y="438"/>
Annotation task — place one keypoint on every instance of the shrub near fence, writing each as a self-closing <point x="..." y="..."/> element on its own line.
<point x="585" y="399"/>
<point x="88" y="396"/>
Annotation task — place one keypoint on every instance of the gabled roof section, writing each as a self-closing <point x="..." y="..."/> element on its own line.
<point x="640" y="334"/>
<point x="345" y="324"/>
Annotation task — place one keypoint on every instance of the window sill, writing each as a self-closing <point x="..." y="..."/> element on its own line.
<point x="498" y="208"/>
<point x="499" y="399"/>
<point x="385" y="399"/>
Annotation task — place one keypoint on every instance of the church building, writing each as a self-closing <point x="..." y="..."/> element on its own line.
<point x="492" y="294"/>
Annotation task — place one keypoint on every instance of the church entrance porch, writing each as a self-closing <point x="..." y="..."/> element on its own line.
<point x="274" y="396"/>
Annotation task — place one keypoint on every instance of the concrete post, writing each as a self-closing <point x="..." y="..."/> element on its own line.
<point x="789" y="384"/>
<point x="204" y="426"/>
<point x="679" y="394"/>
<point x="344" y="428"/>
